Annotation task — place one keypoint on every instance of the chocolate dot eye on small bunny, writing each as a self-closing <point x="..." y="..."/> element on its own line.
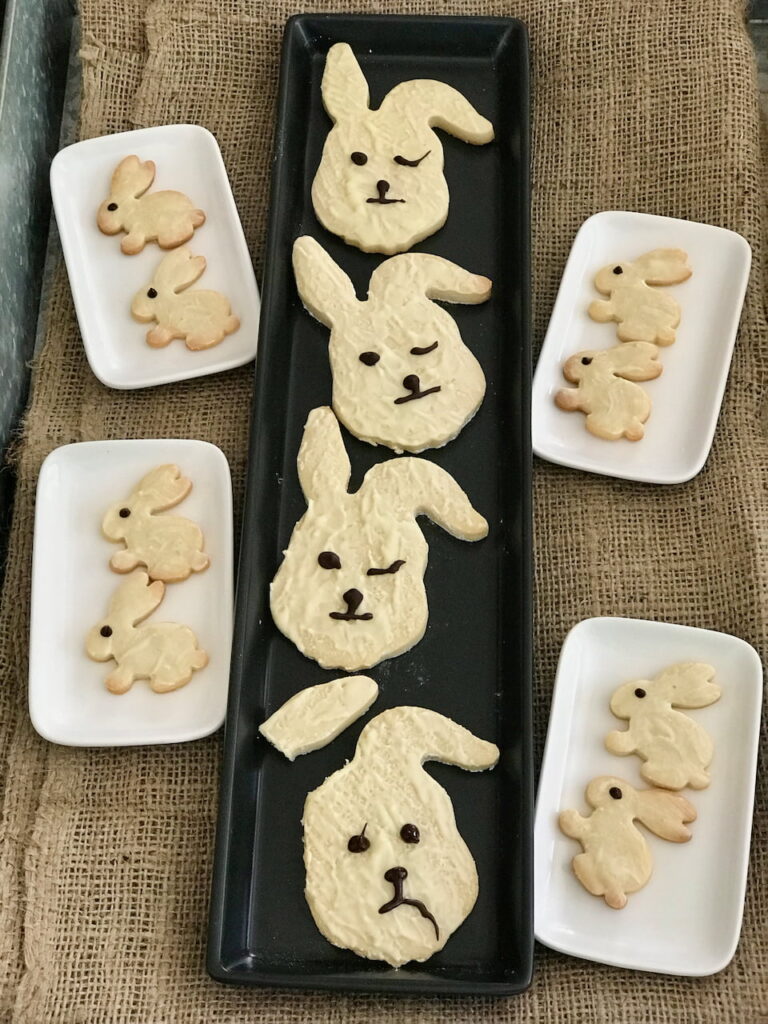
<point x="167" y="217"/>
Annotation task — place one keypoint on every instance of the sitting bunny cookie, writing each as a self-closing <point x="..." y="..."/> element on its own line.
<point x="675" y="749"/>
<point x="616" y="859"/>
<point x="167" y="217"/>
<point x="202" y="318"/>
<point x="615" y="406"/>
<point x="380" y="182"/>
<point x="169" y="546"/>
<point x="643" y="313"/>
<point x="165" y="653"/>
<point x="402" y="376"/>
<point x="350" y="590"/>
<point x="388" y="875"/>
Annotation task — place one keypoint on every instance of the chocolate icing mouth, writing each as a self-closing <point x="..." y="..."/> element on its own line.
<point x="382" y="187"/>
<point x="353" y="599"/>
<point x="397" y="876"/>
<point x="413" y="384"/>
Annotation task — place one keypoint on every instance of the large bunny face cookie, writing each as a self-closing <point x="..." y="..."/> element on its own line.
<point x="380" y="182"/>
<point x="350" y="590"/>
<point x="388" y="875"/>
<point x="402" y="376"/>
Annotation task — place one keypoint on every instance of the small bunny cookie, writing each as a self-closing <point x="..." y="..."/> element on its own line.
<point x="380" y="182"/>
<point x="167" y="217"/>
<point x="169" y="546"/>
<point x="616" y="859"/>
<point x="675" y="749"/>
<point x="165" y="653"/>
<point x="402" y="376"/>
<point x="615" y="407"/>
<point x="643" y="313"/>
<point x="388" y="874"/>
<point x="201" y="318"/>
<point x="350" y="590"/>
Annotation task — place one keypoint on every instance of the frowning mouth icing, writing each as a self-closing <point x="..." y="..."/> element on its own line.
<point x="397" y="876"/>
<point x="413" y="384"/>
<point x="353" y="599"/>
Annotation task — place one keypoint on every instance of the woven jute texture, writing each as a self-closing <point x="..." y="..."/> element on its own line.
<point x="105" y="855"/>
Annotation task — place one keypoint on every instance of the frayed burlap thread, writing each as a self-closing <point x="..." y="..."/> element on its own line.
<point x="106" y="854"/>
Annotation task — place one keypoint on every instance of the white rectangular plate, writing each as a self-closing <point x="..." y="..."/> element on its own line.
<point x="687" y="919"/>
<point x="687" y="396"/>
<point x="72" y="584"/>
<point x="104" y="280"/>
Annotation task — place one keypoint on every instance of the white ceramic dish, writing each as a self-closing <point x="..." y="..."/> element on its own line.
<point x="104" y="280"/>
<point x="72" y="584"/>
<point x="687" y="919"/>
<point x="687" y="396"/>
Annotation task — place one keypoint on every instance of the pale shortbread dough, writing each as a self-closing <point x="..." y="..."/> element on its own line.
<point x="615" y="406"/>
<point x="390" y="156"/>
<point x="616" y="858"/>
<point x="676" y="750"/>
<point x="383" y="789"/>
<point x="372" y="529"/>
<point x="315" y="716"/>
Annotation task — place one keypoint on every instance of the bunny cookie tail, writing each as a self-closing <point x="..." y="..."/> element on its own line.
<point x="197" y="218"/>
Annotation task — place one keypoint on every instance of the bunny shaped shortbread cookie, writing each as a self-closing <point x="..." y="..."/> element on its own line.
<point x="165" y="653"/>
<point x="350" y="591"/>
<point x="615" y="406"/>
<point x="167" y="217"/>
<point x="201" y="317"/>
<point x="388" y="875"/>
<point x="380" y="182"/>
<point x="169" y="546"/>
<point x="402" y="376"/>
<point x="643" y="313"/>
<point x="616" y="859"/>
<point x="675" y="749"/>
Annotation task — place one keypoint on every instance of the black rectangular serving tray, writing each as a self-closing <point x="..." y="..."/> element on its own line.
<point x="474" y="663"/>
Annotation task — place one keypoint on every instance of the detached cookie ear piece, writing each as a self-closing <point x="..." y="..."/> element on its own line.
<point x="313" y="717"/>
<point x="676" y="750"/>
<point x="616" y="860"/>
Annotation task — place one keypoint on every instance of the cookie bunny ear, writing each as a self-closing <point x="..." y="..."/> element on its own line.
<point x="441" y="106"/>
<point x="132" y="177"/>
<point x="424" y="735"/>
<point x="665" y="814"/>
<point x="323" y="286"/>
<point x="687" y="685"/>
<point x="323" y="463"/>
<point x="162" y="488"/>
<point x="178" y="270"/>
<point x="413" y="487"/>
<point x="663" y="266"/>
<point x="436" y="277"/>
<point x="344" y="89"/>
<point x="136" y="598"/>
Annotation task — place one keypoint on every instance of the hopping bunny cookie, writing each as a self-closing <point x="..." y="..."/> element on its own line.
<point x="615" y="406"/>
<point x="169" y="546"/>
<point x="202" y="318"/>
<point x="402" y="376"/>
<point x="350" y="590"/>
<point x="675" y="749"/>
<point x="388" y="875"/>
<point x="165" y="653"/>
<point x="643" y="312"/>
<point x="616" y="859"/>
<point x="167" y="217"/>
<point x="380" y="182"/>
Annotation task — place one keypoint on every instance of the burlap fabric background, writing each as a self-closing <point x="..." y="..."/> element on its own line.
<point x="105" y="855"/>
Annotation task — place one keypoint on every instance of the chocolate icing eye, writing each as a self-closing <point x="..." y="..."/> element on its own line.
<point x="106" y="631"/>
<point x="586" y="360"/>
<point x="639" y="692"/>
<point x="615" y="792"/>
<point x="359" y="159"/>
<point x="151" y="294"/>
<point x="112" y="207"/>
<point x="410" y="833"/>
<point x="359" y="844"/>
<point x="410" y="163"/>
<point x="424" y="351"/>
<point x="618" y="270"/>
<point x="369" y="358"/>
<point x="124" y="513"/>
<point x="328" y="560"/>
<point x="391" y="569"/>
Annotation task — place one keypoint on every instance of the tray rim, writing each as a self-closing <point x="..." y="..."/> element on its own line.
<point x="420" y="984"/>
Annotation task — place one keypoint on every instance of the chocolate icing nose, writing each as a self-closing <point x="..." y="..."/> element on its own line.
<point x="353" y="599"/>
<point x="394" y="875"/>
<point x="382" y="187"/>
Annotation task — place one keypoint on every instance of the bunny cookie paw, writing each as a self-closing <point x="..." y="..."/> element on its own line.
<point x="168" y="218"/>
<point x="380" y="183"/>
<point x="388" y="874"/>
<point x="676" y="750"/>
<point x="616" y="859"/>
<point x="170" y="547"/>
<point x="202" y="318"/>
<point x="615" y="406"/>
<point x="402" y="376"/>
<point x="643" y="312"/>
<point x="350" y="590"/>
<point x="165" y="653"/>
